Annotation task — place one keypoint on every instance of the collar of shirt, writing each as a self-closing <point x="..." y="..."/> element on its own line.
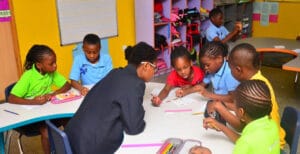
<point x="222" y="69"/>
<point x="99" y="63"/>
<point x="37" y="73"/>
<point x="256" y="75"/>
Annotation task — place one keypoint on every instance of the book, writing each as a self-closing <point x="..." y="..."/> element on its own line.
<point x="177" y="146"/>
<point x="65" y="97"/>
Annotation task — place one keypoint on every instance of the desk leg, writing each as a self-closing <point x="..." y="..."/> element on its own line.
<point x="296" y="78"/>
<point x="2" y="143"/>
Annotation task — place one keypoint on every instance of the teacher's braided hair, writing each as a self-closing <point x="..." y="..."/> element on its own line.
<point x="254" y="97"/>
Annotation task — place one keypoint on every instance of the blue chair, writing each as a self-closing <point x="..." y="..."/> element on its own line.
<point x="290" y="122"/>
<point x="59" y="141"/>
<point x="26" y="130"/>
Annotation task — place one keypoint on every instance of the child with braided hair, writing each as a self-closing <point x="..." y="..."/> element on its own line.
<point x="244" y="63"/>
<point x="260" y="135"/>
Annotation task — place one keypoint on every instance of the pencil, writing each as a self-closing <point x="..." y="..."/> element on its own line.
<point x="214" y="126"/>
<point x="198" y="113"/>
<point x="11" y="112"/>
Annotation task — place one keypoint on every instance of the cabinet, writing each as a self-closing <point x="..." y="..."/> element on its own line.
<point x="167" y="23"/>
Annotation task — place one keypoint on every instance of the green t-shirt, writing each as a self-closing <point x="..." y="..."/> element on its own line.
<point x="32" y="83"/>
<point x="260" y="137"/>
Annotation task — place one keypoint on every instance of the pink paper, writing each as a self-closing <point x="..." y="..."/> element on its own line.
<point x="273" y="18"/>
<point x="256" y="17"/>
<point x="4" y="11"/>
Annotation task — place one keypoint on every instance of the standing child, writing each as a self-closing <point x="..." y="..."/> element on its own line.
<point x="252" y="99"/>
<point x="90" y="67"/>
<point x="218" y="72"/>
<point x="216" y="31"/>
<point x="114" y="105"/>
<point x="34" y="86"/>
<point x="184" y="75"/>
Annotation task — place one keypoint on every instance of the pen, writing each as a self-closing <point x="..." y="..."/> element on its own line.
<point x="11" y="112"/>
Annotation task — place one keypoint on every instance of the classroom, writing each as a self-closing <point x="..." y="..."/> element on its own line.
<point x="271" y="26"/>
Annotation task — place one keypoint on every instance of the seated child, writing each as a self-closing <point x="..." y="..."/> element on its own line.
<point x="185" y="75"/>
<point x="252" y="100"/>
<point x="90" y="67"/>
<point x="216" y="31"/>
<point x="212" y="57"/>
<point x="34" y="86"/>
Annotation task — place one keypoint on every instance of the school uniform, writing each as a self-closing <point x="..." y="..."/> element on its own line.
<point x="176" y="80"/>
<point x="213" y="31"/>
<point x="260" y="137"/>
<point x="88" y="73"/>
<point x="222" y="81"/>
<point x="112" y="106"/>
<point x="275" y="109"/>
<point x="32" y="83"/>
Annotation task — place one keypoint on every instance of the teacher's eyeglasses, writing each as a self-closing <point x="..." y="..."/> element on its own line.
<point x="151" y="64"/>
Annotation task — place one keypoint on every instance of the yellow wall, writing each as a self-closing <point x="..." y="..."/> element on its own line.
<point x="288" y="25"/>
<point x="37" y="23"/>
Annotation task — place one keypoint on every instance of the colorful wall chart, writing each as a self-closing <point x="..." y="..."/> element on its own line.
<point x="4" y="11"/>
<point x="265" y="12"/>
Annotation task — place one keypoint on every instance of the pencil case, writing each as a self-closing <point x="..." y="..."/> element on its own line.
<point x="65" y="97"/>
<point x="177" y="146"/>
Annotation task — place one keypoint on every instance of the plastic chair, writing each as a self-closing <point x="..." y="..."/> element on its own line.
<point x="290" y="122"/>
<point x="26" y="130"/>
<point x="59" y="141"/>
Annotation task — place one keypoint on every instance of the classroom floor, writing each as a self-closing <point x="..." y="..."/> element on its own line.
<point x="286" y="91"/>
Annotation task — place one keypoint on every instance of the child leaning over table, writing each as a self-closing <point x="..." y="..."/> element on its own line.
<point x="185" y="75"/>
<point x="213" y="59"/>
<point x="34" y="86"/>
<point x="253" y="105"/>
<point x="244" y="63"/>
<point x="90" y="67"/>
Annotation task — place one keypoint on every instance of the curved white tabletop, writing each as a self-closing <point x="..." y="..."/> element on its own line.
<point x="161" y="122"/>
<point x="161" y="125"/>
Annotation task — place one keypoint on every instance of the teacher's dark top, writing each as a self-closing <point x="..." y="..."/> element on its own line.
<point x="112" y="106"/>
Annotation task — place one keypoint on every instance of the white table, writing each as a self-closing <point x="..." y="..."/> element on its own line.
<point x="160" y="125"/>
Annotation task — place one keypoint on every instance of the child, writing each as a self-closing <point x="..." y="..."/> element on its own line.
<point x="184" y="75"/>
<point x="91" y="67"/>
<point x="252" y="99"/>
<point x="216" y="31"/>
<point x="34" y="86"/>
<point x="244" y="62"/>
<point x="113" y="105"/>
<point x="218" y="72"/>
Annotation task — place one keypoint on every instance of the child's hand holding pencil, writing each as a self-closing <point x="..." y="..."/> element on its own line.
<point x="211" y="123"/>
<point x="156" y="101"/>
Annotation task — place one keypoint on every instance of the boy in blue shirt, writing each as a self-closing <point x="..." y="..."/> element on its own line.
<point x="216" y="31"/>
<point x="90" y="67"/>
